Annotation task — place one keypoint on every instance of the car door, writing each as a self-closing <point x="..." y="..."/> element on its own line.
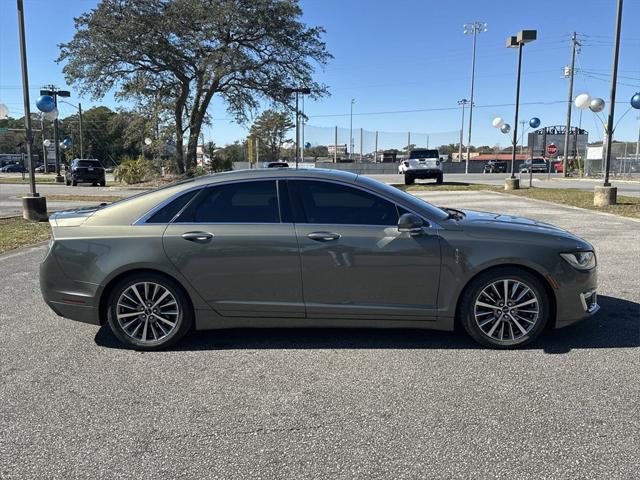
<point x="355" y="262"/>
<point x="231" y="244"/>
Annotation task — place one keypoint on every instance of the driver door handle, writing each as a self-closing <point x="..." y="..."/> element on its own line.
<point x="323" y="236"/>
<point x="198" y="237"/>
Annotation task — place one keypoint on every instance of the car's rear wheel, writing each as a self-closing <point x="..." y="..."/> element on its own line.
<point x="148" y="311"/>
<point x="74" y="183"/>
<point x="408" y="179"/>
<point x="67" y="182"/>
<point x="102" y="183"/>
<point x="439" y="179"/>
<point x="505" y="308"/>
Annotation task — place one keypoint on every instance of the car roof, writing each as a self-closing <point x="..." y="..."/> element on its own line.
<point x="288" y="172"/>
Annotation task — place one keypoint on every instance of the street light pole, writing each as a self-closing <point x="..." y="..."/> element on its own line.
<point x="472" y="29"/>
<point x="304" y="91"/>
<point x="462" y="102"/>
<point x="523" y="37"/>
<point x="34" y="207"/>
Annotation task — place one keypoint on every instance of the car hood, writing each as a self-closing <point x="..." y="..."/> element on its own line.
<point x="495" y="225"/>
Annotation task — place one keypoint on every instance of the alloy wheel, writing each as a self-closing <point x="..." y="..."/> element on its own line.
<point x="147" y="312"/>
<point x="506" y="310"/>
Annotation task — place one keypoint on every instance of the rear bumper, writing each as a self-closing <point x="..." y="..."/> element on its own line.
<point x="67" y="298"/>
<point x="424" y="173"/>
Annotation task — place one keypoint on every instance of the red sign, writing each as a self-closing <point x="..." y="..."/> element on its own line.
<point x="552" y="149"/>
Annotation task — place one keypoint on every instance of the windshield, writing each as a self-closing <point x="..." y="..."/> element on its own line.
<point x="423" y="154"/>
<point x="435" y="213"/>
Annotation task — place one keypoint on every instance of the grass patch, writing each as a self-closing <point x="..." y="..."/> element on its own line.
<point x="626" y="206"/>
<point x="84" y="198"/>
<point x="16" y="232"/>
<point x="39" y="179"/>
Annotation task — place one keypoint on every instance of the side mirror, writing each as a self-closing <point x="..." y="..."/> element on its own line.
<point x="410" y="223"/>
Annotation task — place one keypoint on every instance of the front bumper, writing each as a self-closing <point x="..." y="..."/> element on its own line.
<point x="577" y="297"/>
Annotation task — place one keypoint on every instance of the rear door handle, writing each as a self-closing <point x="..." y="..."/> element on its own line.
<point x="197" y="237"/>
<point x="323" y="236"/>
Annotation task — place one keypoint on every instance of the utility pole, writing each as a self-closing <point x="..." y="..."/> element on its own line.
<point x="361" y="138"/>
<point x="81" y="131"/>
<point x="375" y="153"/>
<point x="522" y="122"/>
<point x="472" y="29"/>
<point x="34" y="207"/>
<point x="297" y="130"/>
<point x="574" y="44"/>
<point x="335" y="145"/>
<point x="351" y="129"/>
<point x="462" y="103"/>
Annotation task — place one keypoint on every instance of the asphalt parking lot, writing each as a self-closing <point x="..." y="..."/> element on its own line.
<point x="329" y="403"/>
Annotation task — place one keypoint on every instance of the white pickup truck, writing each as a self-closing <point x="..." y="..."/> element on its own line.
<point x="422" y="163"/>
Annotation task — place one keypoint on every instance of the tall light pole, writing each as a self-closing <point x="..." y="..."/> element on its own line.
<point x="79" y="108"/>
<point x="297" y="91"/>
<point x="462" y="103"/>
<point x="607" y="195"/>
<point x="472" y="29"/>
<point x="353" y="100"/>
<point x="55" y="92"/>
<point x="34" y="207"/>
<point x="523" y="37"/>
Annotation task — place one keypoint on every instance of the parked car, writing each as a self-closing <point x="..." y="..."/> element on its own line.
<point x="275" y="164"/>
<point x="314" y="248"/>
<point x="13" y="168"/>
<point x="495" y="166"/>
<point x="50" y="168"/>
<point x="109" y="169"/>
<point x="422" y="163"/>
<point x="558" y="167"/>
<point x="538" y="165"/>
<point x="85" y="171"/>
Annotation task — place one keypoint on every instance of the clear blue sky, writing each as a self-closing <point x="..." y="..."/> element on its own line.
<point x="401" y="55"/>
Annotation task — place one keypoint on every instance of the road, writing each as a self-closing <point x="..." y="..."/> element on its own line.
<point x="328" y="403"/>
<point x="631" y="188"/>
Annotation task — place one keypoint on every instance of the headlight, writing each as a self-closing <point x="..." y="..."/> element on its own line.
<point x="580" y="260"/>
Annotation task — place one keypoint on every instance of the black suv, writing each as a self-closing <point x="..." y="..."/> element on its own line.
<point x="85" y="171"/>
<point x="495" y="166"/>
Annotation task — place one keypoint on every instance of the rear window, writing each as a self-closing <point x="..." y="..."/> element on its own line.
<point x="423" y="154"/>
<point x="88" y="163"/>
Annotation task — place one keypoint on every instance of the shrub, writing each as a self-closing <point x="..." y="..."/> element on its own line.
<point x="132" y="170"/>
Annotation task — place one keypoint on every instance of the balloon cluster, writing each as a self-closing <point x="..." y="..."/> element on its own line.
<point x="499" y="123"/>
<point x="584" y="101"/>
<point x="47" y="105"/>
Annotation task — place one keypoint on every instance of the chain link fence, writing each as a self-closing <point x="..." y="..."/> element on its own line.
<point x="625" y="161"/>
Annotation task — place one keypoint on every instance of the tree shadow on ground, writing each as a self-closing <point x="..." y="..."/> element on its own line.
<point x="616" y="325"/>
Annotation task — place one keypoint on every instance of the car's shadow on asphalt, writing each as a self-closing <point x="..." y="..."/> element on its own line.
<point x="616" y="325"/>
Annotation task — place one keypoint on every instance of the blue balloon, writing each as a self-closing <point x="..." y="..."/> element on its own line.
<point x="45" y="103"/>
<point x="534" y="122"/>
<point x="635" y="101"/>
<point x="67" y="141"/>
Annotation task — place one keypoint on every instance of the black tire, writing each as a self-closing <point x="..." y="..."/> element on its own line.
<point x="408" y="179"/>
<point x="468" y="298"/>
<point x="94" y="184"/>
<point x="67" y="182"/>
<point x="102" y="183"/>
<point x="184" y="320"/>
<point x="439" y="179"/>
<point x="74" y="183"/>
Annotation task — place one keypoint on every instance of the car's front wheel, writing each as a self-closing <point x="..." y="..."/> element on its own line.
<point x="149" y="311"/>
<point x="505" y="308"/>
<point x="408" y="179"/>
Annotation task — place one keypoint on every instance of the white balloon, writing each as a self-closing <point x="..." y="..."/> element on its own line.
<point x="582" y="101"/>
<point x="4" y="111"/>
<point x="147" y="141"/>
<point x="506" y="128"/>
<point x="596" y="105"/>
<point x="52" y="115"/>
<point x="497" y="122"/>
<point x="47" y="143"/>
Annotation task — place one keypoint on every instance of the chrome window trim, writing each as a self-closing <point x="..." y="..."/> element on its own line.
<point x="143" y="219"/>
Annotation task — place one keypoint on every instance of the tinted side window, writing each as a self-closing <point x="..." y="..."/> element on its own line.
<point x="326" y="202"/>
<point x="244" y="202"/>
<point x="166" y="213"/>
